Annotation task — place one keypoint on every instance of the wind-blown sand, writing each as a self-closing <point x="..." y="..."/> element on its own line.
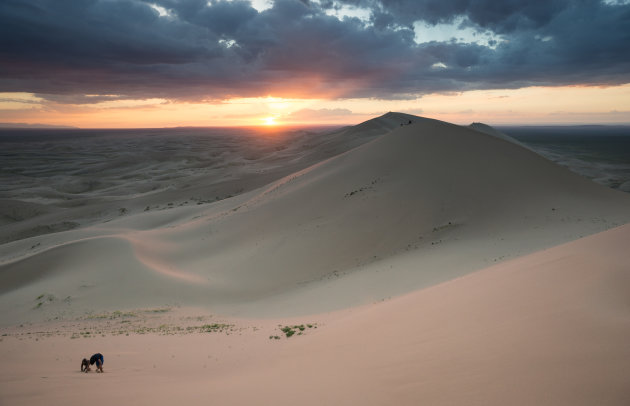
<point x="411" y="215"/>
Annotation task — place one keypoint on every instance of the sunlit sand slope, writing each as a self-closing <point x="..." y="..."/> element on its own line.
<point x="550" y="328"/>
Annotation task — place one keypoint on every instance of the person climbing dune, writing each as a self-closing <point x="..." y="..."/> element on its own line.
<point x="94" y="359"/>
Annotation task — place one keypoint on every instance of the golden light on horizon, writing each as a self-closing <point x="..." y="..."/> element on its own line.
<point x="533" y="105"/>
<point x="269" y="121"/>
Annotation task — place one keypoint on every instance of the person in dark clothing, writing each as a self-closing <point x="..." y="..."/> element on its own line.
<point x="94" y="359"/>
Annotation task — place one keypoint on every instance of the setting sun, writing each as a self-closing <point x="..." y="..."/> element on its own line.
<point x="269" y="121"/>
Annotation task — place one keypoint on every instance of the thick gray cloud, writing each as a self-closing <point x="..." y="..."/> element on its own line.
<point x="63" y="50"/>
<point x="499" y="16"/>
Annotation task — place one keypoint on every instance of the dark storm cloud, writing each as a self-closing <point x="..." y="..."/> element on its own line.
<point x="64" y="50"/>
<point x="499" y="16"/>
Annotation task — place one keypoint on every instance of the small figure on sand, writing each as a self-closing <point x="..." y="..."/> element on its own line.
<point x="94" y="359"/>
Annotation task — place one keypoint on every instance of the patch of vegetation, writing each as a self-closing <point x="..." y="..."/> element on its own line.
<point x="288" y="331"/>
<point x="214" y="327"/>
<point x="363" y="188"/>
<point x="356" y="191"/>
<point x="442" y="227"/>
<point x="204" y="201"/>
<point x="291" y="330"/>
<point x="117" y="314"/>
<point x="158" y="310"/>
<point x="43" y="298"/>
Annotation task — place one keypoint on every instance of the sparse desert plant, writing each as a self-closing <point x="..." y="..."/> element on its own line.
<point x="208" y="328"/>
<point x="159" y="310"/>
<point x="288" y="331"/>
<point x="291" y="330"/>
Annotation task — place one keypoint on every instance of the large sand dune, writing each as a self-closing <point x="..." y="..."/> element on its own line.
<point x="422" y="204"/>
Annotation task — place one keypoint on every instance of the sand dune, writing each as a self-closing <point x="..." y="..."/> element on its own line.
<point x="435" y="264"/>
<point x="423" y="204"/>
<point x="60" y="180"/>
<point x="549" y="328"/>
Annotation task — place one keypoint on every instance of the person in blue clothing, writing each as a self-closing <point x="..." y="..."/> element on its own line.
<point x="94" y="359"/>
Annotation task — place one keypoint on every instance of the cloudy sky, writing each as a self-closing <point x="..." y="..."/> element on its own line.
<point x="154" y="63"/>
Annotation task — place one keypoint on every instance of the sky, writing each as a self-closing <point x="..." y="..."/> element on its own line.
<point x="164" y="63"/>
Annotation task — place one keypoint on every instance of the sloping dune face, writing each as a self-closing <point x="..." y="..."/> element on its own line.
<point x="549" y="328"/>
<point x="426" y="202"/>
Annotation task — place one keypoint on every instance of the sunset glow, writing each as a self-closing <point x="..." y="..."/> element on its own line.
<point x="333" y="64"/>
<point x="533" y="105"/>
<point x="270" y="121"/>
